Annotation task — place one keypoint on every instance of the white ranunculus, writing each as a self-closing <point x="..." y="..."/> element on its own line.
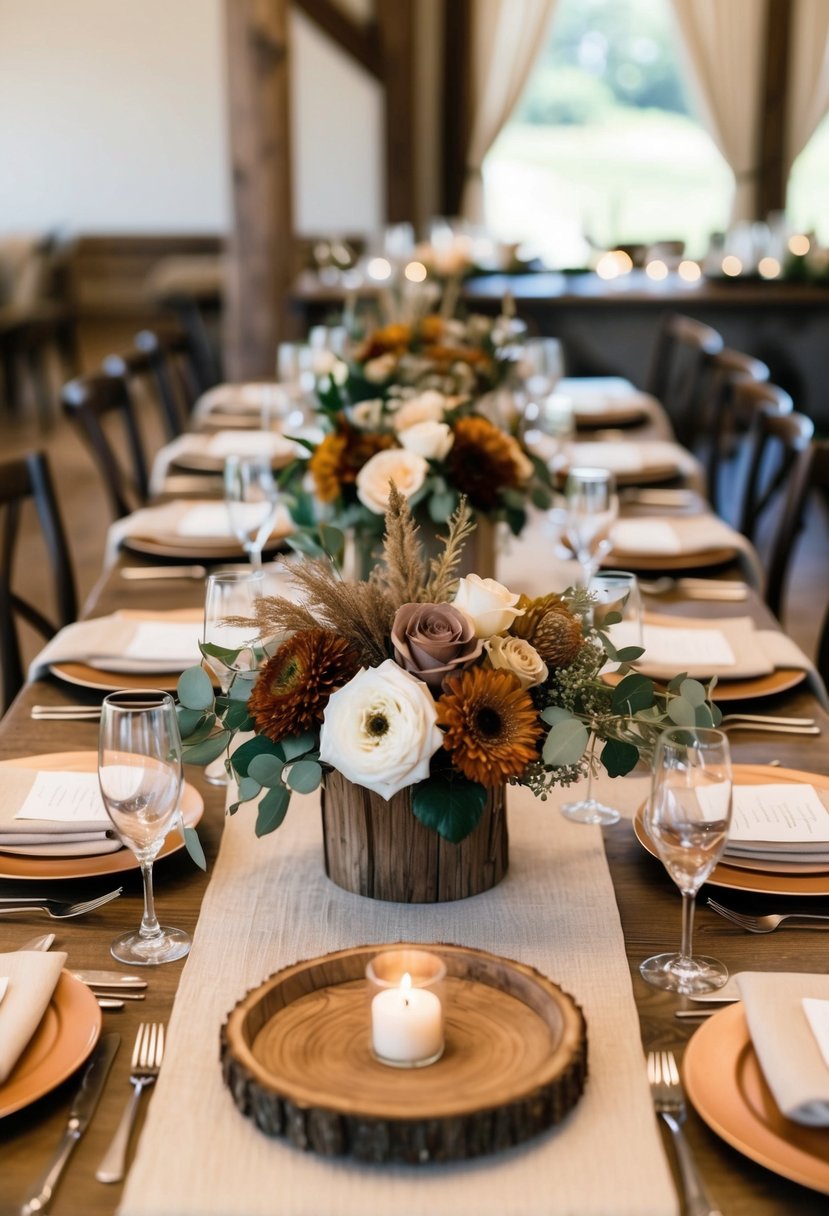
<point x="429" y="406"/>
<point x="519" y="657"/>
<point x="380" y="369"/>
<point x="380" y="729"/>
<point x="488" y="604"/>
<point x="431" y="440"/>
<point x="406" y="469"/>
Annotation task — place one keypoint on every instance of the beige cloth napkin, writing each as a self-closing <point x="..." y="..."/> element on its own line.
<point x="672" y="536"/>
<point x="217" y="447"/>
<point x="32" y="977"/>
<point x="786" y="1047"/>
<point x="48" y="837"/>
<point x="200" y="524"/>
<point x="118" y="643"/>
<point x="756" y="652"/>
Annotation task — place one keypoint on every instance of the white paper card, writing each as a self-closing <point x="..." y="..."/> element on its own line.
<point x="169" y="642"/>
<point x="208" y="519"/>
<point x="65" y="798"/>
<point x="778" y="814"/>
<point x="618" y="457"/>
<point x="683" y="648"/>
<point x="248" y="443"/>
<point x="817" y="1015"/>
<point x="645" y="536"/>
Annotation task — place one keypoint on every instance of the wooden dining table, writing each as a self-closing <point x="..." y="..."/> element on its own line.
<point x="648" y="903"/>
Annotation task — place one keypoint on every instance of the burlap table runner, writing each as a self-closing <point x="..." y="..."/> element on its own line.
<point x="269" y="904"/>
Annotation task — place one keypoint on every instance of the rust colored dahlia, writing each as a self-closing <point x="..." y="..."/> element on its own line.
<point x="294" y="686"/>
<point x="491" y="725"/>
<point x="549" y="626"/>
<point x="481" y="462"/>
<point x="339" y="458"/>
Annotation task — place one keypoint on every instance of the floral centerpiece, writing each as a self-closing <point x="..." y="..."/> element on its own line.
<point x="415" y="697"/>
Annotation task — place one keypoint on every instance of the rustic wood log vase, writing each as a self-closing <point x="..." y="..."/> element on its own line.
<point x="296" y="1055"/>
<point x="379" y="849"/>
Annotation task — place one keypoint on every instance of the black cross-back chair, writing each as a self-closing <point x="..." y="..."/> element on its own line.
<point x="91" y="401"/>
<point x="678" y="369"/>
<point x="164" y="362"/>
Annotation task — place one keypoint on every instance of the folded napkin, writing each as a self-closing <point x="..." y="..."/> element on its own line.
<point x="790" y="1057"/>
<point x="613" y="388"/>
<point x="201" y="524"/>
<point x="54" y="814"/>
<point x="730" y="648"/>
<point x="780" y="822"/>
<point x="673" y="536"/>
<point x="212" y="450"/>
<point x="32" y="976"/>
<point x="248" y="398"/>
<point x="121" y="643"/>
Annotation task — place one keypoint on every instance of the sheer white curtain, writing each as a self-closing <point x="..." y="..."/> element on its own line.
<point x="808" y="99"/>
<point x="724" y="44"/>
<point x="507" y="36"/>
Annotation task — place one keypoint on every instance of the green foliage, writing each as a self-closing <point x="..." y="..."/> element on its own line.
<point x="194" y="689"/>
<point x="450" y="806"/>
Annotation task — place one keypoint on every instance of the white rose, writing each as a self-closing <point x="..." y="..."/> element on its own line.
<point x="380" y="369"/>
<point x="367" y="415"/>
<point x="427" y="407"/>
<point x="431" y="440"/>
<point x="519" y="657"/>
<point x="488" y="604"/>
<point x="323" y="362"/>
<point x="406" y="469"/>
<point x="380" y="729"/>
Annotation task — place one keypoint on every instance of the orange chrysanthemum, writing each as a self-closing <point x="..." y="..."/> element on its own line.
<point x="482" y="462"/>
<point x="391" y="339"/>
<point x="293" y="688"/>
<point x="339" y="458"/>
<point x="492" y="727"/>
<point x="431" y="329"/>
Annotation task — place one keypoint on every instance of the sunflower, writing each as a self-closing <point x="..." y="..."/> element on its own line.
<point x="482" y="462"/>
<point x="492" y="727"/>
<point x="293" y="687"/>
<point x="339" y="457"/>
<point x="549" y="626"/>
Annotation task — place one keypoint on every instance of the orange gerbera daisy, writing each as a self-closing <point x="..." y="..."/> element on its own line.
<point x="491" y="725"/>
<point x="482" y="462"/>
<point x="340" y="456"/>
<point x="294" y="685"/>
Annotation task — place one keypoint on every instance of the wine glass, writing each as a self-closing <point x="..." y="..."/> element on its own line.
<point x="688" y="817"/>
<point x="230" y="593"/>
<point x="616" y="593"/>
<point x="139" y="770"/>
<point x="591" y="506"/>
<point x="252" y="500"/>
<point x="589" y="809"/>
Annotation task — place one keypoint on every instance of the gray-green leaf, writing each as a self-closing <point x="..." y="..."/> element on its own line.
<point x="195" y="690"/>
<point x="304" y="776"/>
<point x="266" y="769"/>
<point x="565" y="743"/>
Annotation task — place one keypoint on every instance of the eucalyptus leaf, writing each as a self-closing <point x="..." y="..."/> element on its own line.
<point x="632" y="694"/>
<point x="619" y="757"/>
<point x="204" y="730"/>
<point x="681" y="712"/>
<point x="692" y="691"/>
<point x="237" y="717"/>
<point x="272" y="810"/>
<point x="703" y="716"/>
<point x="452" y="808"/>
<point x="208" y="750"/>
<point x="333" y="542"/>
<point x="224" y="654"/>
<point x="297" y="745"/>
<point x="629" y="654"/>
<point x="195" y="690"/>
<point x="442" y="505"/>
<point x="565" y="743"/>
<point x="188" y="720"/>
<point x="242" y="685"/>
<point x="256" y="746"/>
<point x="304" y="776"/>
<point x="554" y="713"/>
<point x="516" y="520"/>
<point x="266" y="769"/>
<point x="677" y="682"/>
<point x="193" y="846"/>
<point x="248" y="789"/>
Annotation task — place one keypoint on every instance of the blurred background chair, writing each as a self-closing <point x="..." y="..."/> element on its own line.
<point x="101" y="408"/>
<point x="678" y="369"/>
<point x="28" y="477"/>
<point x="162" y="365"/>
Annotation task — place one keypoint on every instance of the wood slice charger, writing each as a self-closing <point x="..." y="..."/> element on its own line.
<point x="296" y="1055"/>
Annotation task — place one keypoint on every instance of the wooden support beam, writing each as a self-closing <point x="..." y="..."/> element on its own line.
<point x="395" y="20"/>
<point x="457" y="101"/>
<point x="360" y="41"/>
<point x="260" y="261"/>
<point x="771" y="182"/>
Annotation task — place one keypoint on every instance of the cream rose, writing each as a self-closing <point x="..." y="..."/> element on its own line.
<point x="426" y="407"/>
<point x="431" y="440"/>
<point x="519" y="657"/>
<point x="406" y="469"/>
<point x="368" y="415"/>
<point x="380" y="729"/>
<point x="380" y="369"/>
<point x="488" y="604"/>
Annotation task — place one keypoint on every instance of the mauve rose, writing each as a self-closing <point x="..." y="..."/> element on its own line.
<point x="432" y="640"/>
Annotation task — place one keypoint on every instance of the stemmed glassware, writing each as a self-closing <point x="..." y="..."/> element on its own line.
<point x="688" y="817"/>
<point x="252" y="500"/>
<point x="230" y="593"/>
<point x="589" y="809"/>
<point x="616" y="594"/>
<point x="591" y="508"/>
<point x="139" y="770"/>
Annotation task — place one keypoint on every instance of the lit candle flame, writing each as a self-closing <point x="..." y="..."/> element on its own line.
<point x="405" y="986"/>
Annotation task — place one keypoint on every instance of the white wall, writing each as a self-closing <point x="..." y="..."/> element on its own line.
<point x="112" y="119"/>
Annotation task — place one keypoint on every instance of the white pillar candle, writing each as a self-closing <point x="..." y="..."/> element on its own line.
<point x="406" y="1024"/>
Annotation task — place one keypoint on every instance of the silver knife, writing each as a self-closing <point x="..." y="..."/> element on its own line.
<point x="109" y="979"/>
<point x="83" y="1108"/>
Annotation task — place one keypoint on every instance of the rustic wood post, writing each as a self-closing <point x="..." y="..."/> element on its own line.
<point x="771" y="182"/>
<point x="260" y="260"/>
<point x="395" y="21"/>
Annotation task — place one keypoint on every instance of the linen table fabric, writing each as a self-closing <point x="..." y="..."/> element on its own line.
<point x="269" y="904"/>
<point x="32" y="977"/>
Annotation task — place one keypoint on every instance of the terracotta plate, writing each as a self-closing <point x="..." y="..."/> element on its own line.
<point x="66" y="1035"/>
<point x="84" y="675"/>
<point x="723" y="1080"/>
<point x="216" y="549"/>
<point x="807" y="881"/>
<point x="13" y="865"/>
<point x="744" y="690"/>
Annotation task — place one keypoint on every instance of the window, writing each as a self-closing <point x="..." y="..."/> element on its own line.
<point x="603" y="144"/>
<point x="809" y="186"/>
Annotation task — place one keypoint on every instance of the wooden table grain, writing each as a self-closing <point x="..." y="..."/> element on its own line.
<point x="648" y="902"/>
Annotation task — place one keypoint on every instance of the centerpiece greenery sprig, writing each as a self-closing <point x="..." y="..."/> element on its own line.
<point x="417" y="678"/>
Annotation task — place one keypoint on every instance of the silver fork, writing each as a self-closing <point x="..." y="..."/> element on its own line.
<point x="147" y="1055"/>
<point x="669" y="1104"/>
<point x="56" y="908"/>
<point x="762" y="924"/>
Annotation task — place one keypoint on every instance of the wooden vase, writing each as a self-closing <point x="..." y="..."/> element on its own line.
<point x="379" y="849"/>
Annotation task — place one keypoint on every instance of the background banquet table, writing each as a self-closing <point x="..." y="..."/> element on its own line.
<point x="648" y="903"/>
